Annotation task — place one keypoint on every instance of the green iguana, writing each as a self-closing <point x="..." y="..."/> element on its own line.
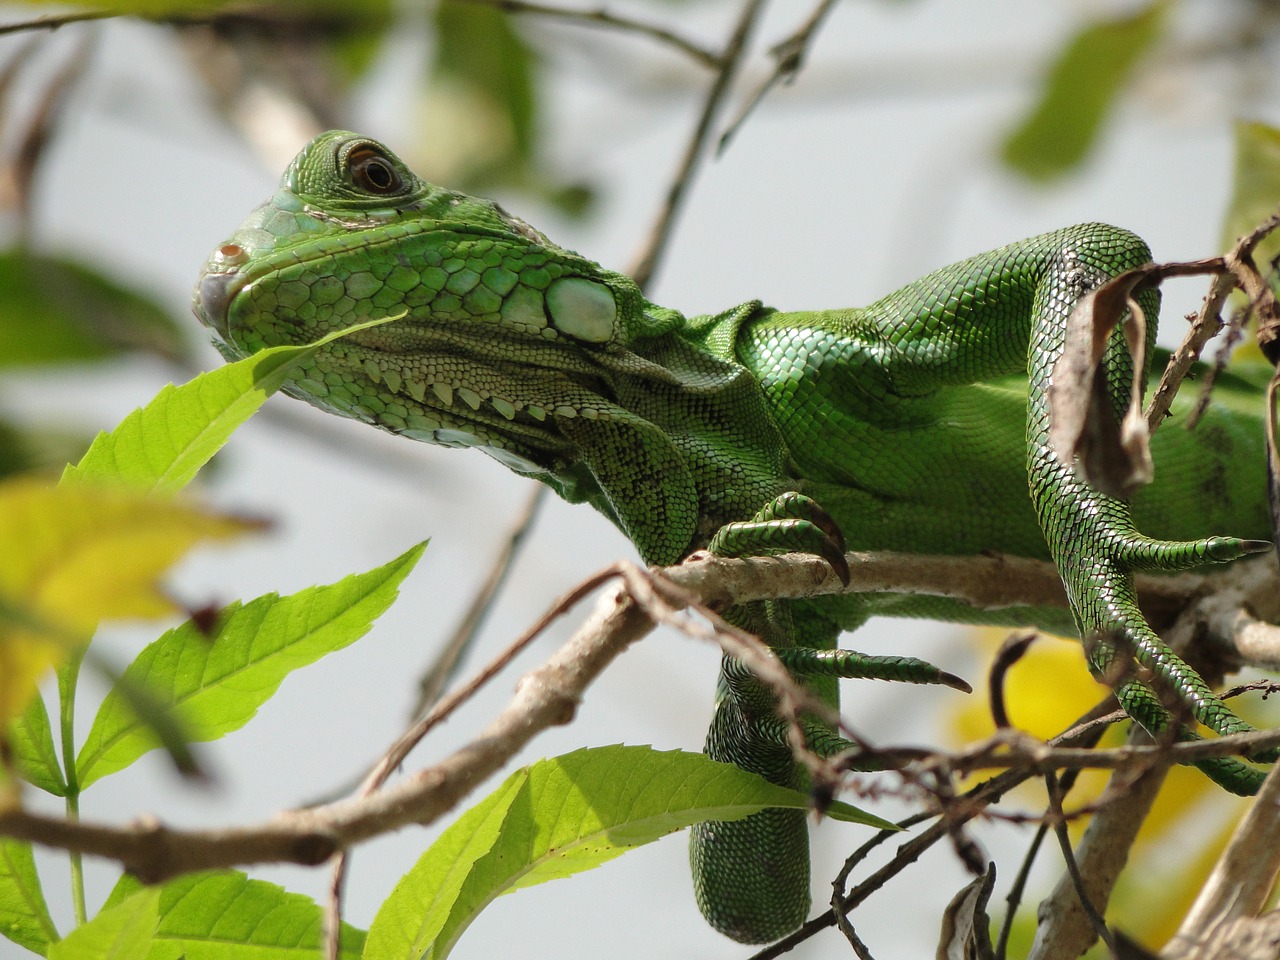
<point x="918" y="424"/>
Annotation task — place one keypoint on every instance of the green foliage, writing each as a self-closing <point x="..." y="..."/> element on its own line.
<point x="1081" y="88"/>
<point x="559" y="817"/>
<point x="24" y="917"/>
<point x="484" y="91"/>
<point x="59" y="311"/>
<point x="55" y="311"/>
<point x="215" y="682"/>
<point x="124" y="930"/>
<point x="209" y="916"/>
<point x="163" y="445"/>
<point x="31" y="739"/>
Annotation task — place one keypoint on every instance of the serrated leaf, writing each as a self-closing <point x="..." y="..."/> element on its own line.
<point x="215" y="684"/>
<point x="1256" y="193"/>
<point x="24" y="915"/>
<point x="76" y="556"/>
<point x="31" y="740"/>
<point x="572" y="813"/>
<point x="54" y="310"/>
<point x="163" y="445"/>
<point x="227" y="916"/>
<point x="122" y="932"/>
<point x="1081" y="88"/>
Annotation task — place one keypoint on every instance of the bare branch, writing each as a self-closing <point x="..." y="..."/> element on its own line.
<point x="1069" y="919"/>
<point x="1241" y="881"/>
<point x="1231" y="271"/>
<point x="446" y="661"/>
<point x="54" y="21"/>
<point x="549" y="695"/>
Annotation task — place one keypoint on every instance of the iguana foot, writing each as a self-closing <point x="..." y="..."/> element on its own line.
<point x="1114" y="631"/>
<point x="790" y="523"/>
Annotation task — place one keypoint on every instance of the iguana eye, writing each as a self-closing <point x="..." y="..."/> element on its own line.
<point x="373" y="172"/>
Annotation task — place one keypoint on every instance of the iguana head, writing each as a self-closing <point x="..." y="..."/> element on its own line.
<point x="498" y="339"/>
<point x="501" y="331"/>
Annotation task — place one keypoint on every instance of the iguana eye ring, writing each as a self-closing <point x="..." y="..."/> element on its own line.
<point x="372" y="171"/>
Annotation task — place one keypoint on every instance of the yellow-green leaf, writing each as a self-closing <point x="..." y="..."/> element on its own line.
<point x="76" y="555"/>
<point x="559" y="817"/>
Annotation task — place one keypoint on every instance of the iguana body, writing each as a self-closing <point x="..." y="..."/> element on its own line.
<point x="919" y="424"/>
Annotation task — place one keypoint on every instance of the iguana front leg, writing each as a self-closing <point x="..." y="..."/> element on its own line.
<point x="751" y="876"/>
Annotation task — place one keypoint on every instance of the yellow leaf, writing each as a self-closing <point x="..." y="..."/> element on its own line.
<point x="73" y="556"/>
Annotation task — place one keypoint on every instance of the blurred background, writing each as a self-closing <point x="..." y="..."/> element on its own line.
<point x="916" y="132"/>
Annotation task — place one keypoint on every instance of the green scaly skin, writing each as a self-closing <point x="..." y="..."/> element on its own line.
<point x="918" y="423"/>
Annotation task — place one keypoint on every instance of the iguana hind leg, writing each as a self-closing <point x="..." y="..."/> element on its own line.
<point x="1091" y="535"/>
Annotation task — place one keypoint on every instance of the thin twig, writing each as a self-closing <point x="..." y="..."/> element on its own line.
<point x="53" y="22"/>
<point x="1059" y="826"/>
<point x="428" y="719"/>
<point x="1207" y="322"/>
<point x="789" y="56"/>
<point x="860" y="949"/>
<point x="446" y="662"/>
<point x="1011" y="651"/>
<point x="975" y="801"/>
<point x="646" y="262"/>
<point x="600" y="17"/>
<point x="1016" y="891"/>
<point x="396" y="753"/>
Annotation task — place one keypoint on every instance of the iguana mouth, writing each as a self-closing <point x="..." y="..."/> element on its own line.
<point x="219" y="283"/>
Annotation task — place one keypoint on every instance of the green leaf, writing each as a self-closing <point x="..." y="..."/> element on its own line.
<point x="79" y="555"/>
<point x="122" y="932"/>
<point x="207" y="916"/>
<point x="1082" y="86"/>
<point x="215" y="684"/>
<point x="411" y="918"/>
<point x="227" y="916"/>
<point x="54" y="310"/>
<point x="1256" y="193"/>
<point x="31" y="739"/>
<point x="566" y="815"/>
<point x="164" y="444"/>
<point x="24" y="916"/>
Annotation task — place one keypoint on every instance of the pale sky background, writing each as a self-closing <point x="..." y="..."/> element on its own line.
<point x="872" y="169"/>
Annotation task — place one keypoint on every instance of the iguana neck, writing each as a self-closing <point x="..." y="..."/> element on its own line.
<point x="686" y="443"/>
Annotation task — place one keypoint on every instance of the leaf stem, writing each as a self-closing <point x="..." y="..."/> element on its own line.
<point x="68" y="678"/>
